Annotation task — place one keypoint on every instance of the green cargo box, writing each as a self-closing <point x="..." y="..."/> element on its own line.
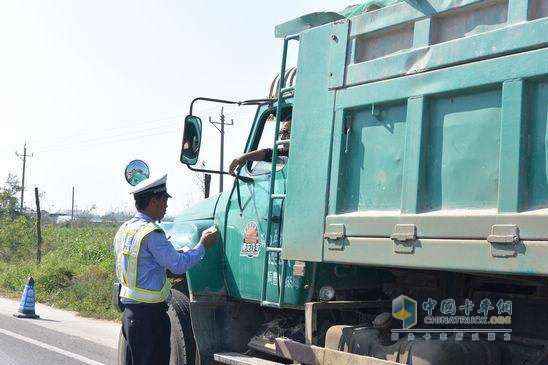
<point x="421" y="141"/>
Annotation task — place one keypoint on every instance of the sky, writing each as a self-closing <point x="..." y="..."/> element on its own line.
<point x="92" y="85"/>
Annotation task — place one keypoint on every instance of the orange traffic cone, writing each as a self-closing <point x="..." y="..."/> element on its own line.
<point x="28" y="301"/>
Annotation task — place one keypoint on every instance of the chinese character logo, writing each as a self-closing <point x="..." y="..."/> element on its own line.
<point x="251" y="246"/>
<point x="405" y="309"/>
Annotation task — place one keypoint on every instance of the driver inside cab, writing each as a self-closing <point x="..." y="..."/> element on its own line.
<point x="264" y="154"/>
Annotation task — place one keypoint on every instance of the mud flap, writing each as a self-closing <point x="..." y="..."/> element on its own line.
<point x="207" y="319"/>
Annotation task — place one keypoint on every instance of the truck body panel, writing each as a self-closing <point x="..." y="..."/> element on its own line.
<point x="438" y="139"/>
<point x="311" y="136"/>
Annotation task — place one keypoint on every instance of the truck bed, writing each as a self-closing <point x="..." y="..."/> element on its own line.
<point x="437" y="154"/>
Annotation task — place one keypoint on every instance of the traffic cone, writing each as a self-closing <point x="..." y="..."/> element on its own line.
<point x="28" y="301"/>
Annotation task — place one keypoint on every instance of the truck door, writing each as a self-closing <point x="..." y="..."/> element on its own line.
<point x="246" y="222"/>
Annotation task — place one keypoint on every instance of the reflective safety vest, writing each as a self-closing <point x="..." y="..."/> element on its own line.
<point x="127" y="244"/>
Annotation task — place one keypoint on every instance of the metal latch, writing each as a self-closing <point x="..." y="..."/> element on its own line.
<point x="335" y="234"/>
<point x="404" y="238"/>
<point x="503" y="240"/>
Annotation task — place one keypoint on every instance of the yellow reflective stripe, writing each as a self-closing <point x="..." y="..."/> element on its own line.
<point x="119" y="269"/>
<point x="142" y="297"/>
<point x="164" y="288"/>
<point x="131" y="271"/>
<point x="133" y="254"/>
<point x="148" y="291"/>
<point x="123" y="277"/>
<point x="118" y="245"/>
<point x="147" y="296"/>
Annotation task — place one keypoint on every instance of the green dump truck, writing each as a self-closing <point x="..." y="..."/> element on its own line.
<point x="409" y="223"/>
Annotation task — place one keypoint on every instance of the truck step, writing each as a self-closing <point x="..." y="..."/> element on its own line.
<point x="233" y="358"/>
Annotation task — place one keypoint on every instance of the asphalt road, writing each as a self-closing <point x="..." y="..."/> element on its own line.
<point x="58" y="337"/>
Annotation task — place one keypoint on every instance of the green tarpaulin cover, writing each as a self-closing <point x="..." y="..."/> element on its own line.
<point x="371" y="4"/>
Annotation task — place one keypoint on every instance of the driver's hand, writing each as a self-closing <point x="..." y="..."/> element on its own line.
<point x="235" y="164"/>
<point x="209" y="237"/>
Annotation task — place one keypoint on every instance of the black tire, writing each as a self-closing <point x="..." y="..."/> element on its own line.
<point x="183" y="346"/>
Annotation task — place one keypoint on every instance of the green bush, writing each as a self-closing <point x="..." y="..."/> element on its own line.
<point x="14" y="276"/>
<point x="77" y="268"/>
<point x="17" y="238"/>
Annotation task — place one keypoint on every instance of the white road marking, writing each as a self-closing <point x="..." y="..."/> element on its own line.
<point x="51" y="348"/>
<point x="104" y="333"/>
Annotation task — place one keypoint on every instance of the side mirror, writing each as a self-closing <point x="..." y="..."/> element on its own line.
<point x="136" y="171"/>
<point x="192" y="138"/>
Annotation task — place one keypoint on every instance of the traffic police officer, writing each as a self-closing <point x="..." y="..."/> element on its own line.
<point x="143" y="254"/>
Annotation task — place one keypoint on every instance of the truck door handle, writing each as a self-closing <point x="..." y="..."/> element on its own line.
<point x="348" y="129"/>
<point x="275" y="219"/>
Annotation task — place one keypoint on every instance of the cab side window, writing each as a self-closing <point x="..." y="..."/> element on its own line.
<point x="265" y="142"/>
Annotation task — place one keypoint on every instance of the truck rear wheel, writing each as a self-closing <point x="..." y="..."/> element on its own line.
<point x="183" y="347"/>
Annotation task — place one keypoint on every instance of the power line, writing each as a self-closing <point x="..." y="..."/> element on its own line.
<point x="99" y="143"/>
<point x="92" y="135"/>
<point x="117" y="137"/>
<point x="120" y="136"/>
<point x="130" y="133"/>
<point x="168" y="120"/>
<point x="131" y="124"/>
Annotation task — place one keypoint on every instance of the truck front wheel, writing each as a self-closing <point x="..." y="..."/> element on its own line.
<point x="183" y="347"/>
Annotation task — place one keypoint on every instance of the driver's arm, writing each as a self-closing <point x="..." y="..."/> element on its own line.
<point x="257" y="155"/>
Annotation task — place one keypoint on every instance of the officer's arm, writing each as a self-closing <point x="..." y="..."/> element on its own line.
<point x="168" y="257"/>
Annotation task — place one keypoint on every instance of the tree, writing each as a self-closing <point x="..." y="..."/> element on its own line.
<point x="199" y="178"/>
<point x="8" y="197"/>
<point x="115" y="217"/>
<point x="87" y="215"/>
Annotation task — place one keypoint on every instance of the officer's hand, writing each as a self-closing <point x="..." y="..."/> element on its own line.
<point x="209" y="237"/>
<point x="235" y="164"/>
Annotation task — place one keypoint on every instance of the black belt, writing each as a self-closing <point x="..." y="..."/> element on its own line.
<point x="157" y="306"/>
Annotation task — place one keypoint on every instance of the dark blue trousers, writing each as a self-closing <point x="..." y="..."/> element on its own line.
<point x="146" y="329"/>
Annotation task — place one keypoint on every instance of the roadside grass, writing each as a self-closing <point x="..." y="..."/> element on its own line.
<point x="77" y="268"/>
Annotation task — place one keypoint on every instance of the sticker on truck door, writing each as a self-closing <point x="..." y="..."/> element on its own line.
<point x="251" y="246"/>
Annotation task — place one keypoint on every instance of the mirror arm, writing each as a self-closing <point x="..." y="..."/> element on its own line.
<point x="212" y="100"/>
<point x="222" y="101"/>
<point x="243" y="178"/>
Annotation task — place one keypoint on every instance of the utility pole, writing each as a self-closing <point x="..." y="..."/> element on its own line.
<point x="24" y="157"/>
<point x="72" y="210"/>
<point x="221" y="130"/>
<point x="207" y="184"/>
<point x="38" y="226"/>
